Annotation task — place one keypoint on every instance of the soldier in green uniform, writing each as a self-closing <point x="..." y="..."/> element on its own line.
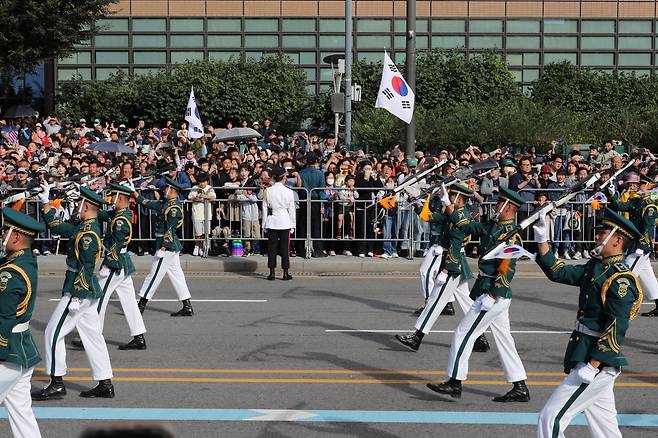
<point x="493" y="296"/>
<point x="78" y="307"/>
<point x="452" y="280"/>
<point x="167" y="256"/>
<point x="18" y="295"/>
<point x="643" y="213"/>
<point x="610" y="296"/>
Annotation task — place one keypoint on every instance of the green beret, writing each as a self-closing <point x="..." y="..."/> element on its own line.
<point x="461" y="189"/>
<point x="511" y="196"/>
<point x="22" y="223"/>
<point x="120" y="188"/>
<point x="623" y="225"/>
<point x="92" y="197"/>
<point x="173" y="183"/>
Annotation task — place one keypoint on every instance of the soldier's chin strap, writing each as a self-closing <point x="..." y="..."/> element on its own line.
<point x="497" y="213"/>
<point x="596" y="252"/>
<point x="166" y="193"/>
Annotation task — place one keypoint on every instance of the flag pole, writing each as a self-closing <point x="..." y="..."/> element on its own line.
<point x="348" y="74"/>
<point x="410" y="138"/>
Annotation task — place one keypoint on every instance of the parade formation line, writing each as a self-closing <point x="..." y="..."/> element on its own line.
<point x="320" y="416"/>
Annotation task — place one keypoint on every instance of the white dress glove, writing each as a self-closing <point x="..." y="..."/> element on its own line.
<point x="160" y="253"/>
<point x="445" y="199"/>
<point x="586" y="372"/>
<point x="44" y="196"/>
<point x="639" y="252"/>
<point x="540" y="229"/>
<point x="74" y="306"/>
<point x="441" y="278"/>
<point x="611" y="187"/>
<point x="487" y="303"/>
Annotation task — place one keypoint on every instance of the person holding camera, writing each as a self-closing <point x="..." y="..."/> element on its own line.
<point x="279" y="223"/>
<point x="525" y="182"/>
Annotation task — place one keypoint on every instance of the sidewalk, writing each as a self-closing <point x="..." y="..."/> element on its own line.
<point x="335" y="265"/>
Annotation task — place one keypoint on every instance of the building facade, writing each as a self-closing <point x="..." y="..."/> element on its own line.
<point x="143" y="36"/>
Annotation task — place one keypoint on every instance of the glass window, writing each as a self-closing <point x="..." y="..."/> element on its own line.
<point x="373" y="42"/>
<point x="326" y="74"/>
<point x="634" y="59"/>
<point x="560" y="26"/>
<point x="514" y="58"/>
<point x="150" y="57"/>
<point x="261" y="25"/>
<point x="325" y="87"/>
<point x="224" y="25"/>
<point x="597" y="42"/>
<point x="310" y="89"/>
<point x="530" y="75"/>
<point x="307" y="57"/>
<point x="559" y="57"/>
<point x="299" y="25"/>
<point x="400" y="25"/>
<point x="120" y="41"/>
<point x="422" y="42"/>
<point x="332" y="41"/>
<point x="422" y="25"/>
<point x="149" y="25"/>
<point x="634" y="26"/>
<point x="400" y="41"/>
<point x="186" y="41"/>
<point x="310" y="74"/>
<point x="531" y="59"/>
<point x="105" y="73"/>
<point x="143" y="71"/>
<point x="182" y="57"/>
<point x="373" y="25"/>
<point x="149" y="41"/>
<point x="112" y="25"/>
<point x="522" y="42"/>
<point x="68" y="74"/>
<point x="522" y="26"/>
<point x="634" y="43"/>
<point x="485" y="26"/>
<point x="369" y="56"/>
<point x="77" y="58"/>
<point x="400" y="57"/>
<point x="597" y="26"/>
<point x="448" y="42"/>
<point x="448" y="26"/>
<point x="223" y="56"/>
<point x="302" y="41"/>
<point x="485" y="42"/>
<point x="265" y="41"/>
<point x="638" y="73"/>
<point x="221" y="41"/>
<point x="111" y="57"/>
<point x="560" y="42"/>
<point x="332" y="25"/>
<point x="517" y="75"/>
<point x="84" y="43"/>
<point x="597" y="59"/>
<point x="255" y="56"/>
<point x="186" y="24"/>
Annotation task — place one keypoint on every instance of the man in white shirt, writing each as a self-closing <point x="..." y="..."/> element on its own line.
<point x="280" y="218"/>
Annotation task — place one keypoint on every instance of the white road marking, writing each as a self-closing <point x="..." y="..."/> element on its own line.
<point x="280" y="415"/>
<point x="193" y="300"/>
<point x="525" y="332"/>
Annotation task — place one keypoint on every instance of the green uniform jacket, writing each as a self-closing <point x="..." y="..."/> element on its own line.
<point x="454" y="261"/>
<point x="490" y="279"/>
<point x="18" y="295"/>
<point x="83" y="251"/>
<point x="117" y="237"/>
<point x="643" y="213"/>
<point x="610" y="296"/>
<point x="438" y="222"/>
<point x="169" y="218"/>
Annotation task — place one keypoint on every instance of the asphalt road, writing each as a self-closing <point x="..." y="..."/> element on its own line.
<point x="318" y="345"/>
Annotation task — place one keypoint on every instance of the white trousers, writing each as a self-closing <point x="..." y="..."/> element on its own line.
<point x="596" y="400"/>
<point x="641" y="266"/>
<point x="123" y="285"/>
<point x="456" y="287"/>
<point x="170" y="265"/>
<point x="474" y="324"/>
<point x="86" y="320"/>
<point x="15" y="394"/>
<point x="429" y="268"/>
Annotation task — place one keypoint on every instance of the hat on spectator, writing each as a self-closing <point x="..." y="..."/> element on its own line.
<point x="83" y="121"/>
<point x="255" y="123"/>
<point x="173" y="183"/>
<point x="633" y="178"/>
<point x="22" y="170"/>
<point x="620" y="223"/>
<point x="97" y="121"/>
<point x="546" y="169"/>
<point x="277" y="172"/>
<point x="511" y="196"/>
<point x="42" y="169"/>
<point x="92" y="197"/>
<point x="412" y="162"/>
<point x="461" y="189"/>
<point x="508" y="163"/>
<point x="118" y="188"/>
<point x="21" y="222"/>
<point x="10" y="170"/>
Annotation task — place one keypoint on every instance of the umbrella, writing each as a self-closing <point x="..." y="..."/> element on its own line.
<point x="237" y="134"/>
<point x="110" y="146"/>
<point x="18" y="111"/>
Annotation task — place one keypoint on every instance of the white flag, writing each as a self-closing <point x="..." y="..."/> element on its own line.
<point x="193" y="118"/>
<point x="505" y="251"/>
<point x="395" y="95"/>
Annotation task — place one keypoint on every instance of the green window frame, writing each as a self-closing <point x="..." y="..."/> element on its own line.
<point x="112" y="25"/>
<point x="149" y="57"/>
<point x="634" y="59"/>
<point x="373" y="42"/>
<point x="373" y="25"/>
<point x="485" y="26"/>
<point x="370" y="56"/>
<point x="589" y="59"/>
<point x="261" y="41"/>
<point x="143" y="71"/>
<point x="326" y="74"/>
<point x="634" y="26"/>
<point x="311" y="73"/>
<point x="69" y="74"/>
<point x="76" y="58"/>
<point x="224" y="56"/>
<point x="224" y="41"/>
<point x="514" y="58"/>
<point x="550" y="57"/>
<point x="111" y="58"/>
<point x="553" y="25"/>
<point x="178" y="41"/>
<point x="298" y="41"/>
<point x="531" y="59"/>
<point x="185" y="56"/>
<point x="560" y="42"/>
<point x="186" y="24"/>
<point x="597" y="26"/>
<point x="530" y="74"/>
<point x="111" y="41"/>
<point x="448" y="42"/>
<point x="634" y="42"/>
<point x="522" y="42"/>
<point x="149" y="24"/>
<point x="158" y="41"/>
<point x="332" y="41"/>
<point x="300" y="25"/>
<point x="224" y="24"/>
<point x="517" y="75"/>
<point x="485" y="42"/>
<point x="448" y="26"/>
<point x="597" y="42"/>
<point x="523" y="26"/>
<point x="261" y="24"/>
<point x="104" y="73"/>
<point x="332" y="25"/>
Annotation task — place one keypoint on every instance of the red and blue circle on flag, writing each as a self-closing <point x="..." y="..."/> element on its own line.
<point x="399" y="86"/>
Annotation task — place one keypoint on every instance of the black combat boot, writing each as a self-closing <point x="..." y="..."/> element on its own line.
<point x="104" y="389"/>
<point x="138" y="343"/>
<point x="142" y="304"/>
<point x="452" y="387"/>
<point x="411" y="340"/>
<point x="449" y="310"/>
<point x="271" y="277"/>
<point x="518" y="393"/>
<point x="481" y="345"/>
<point x="286" y="275"/>
<point x="54" y="391"/>
<point x="186" y="310"/>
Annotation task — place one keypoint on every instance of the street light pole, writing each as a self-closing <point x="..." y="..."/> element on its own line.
<point x="410" y="138"/>
<point x="348" y="73"/>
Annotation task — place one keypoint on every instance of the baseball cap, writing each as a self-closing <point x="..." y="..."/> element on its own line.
<point x="22" y="170"/>
<point x="255" y="123"/>
<point x="412" y="162"/>
<point x="546" y="169"/>
<point x="83" y="121"/>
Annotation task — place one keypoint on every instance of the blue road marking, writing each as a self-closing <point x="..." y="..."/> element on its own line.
<point x="327" y="416"/>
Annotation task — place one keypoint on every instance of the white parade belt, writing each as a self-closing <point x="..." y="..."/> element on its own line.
<point x="582" y="328"/>
<point x="20" y="328"/>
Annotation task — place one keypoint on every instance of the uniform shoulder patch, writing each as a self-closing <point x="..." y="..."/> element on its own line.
<point x="621" y="267"/>
<point x="622" y="286"/>
<point x="86" y="242"/>
<point x="4" y="280"/>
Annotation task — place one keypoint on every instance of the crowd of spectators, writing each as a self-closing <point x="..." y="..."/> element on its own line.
<point x="224" y="182"/>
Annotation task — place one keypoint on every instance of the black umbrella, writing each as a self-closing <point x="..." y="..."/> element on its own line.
<point x="110" y="146"/>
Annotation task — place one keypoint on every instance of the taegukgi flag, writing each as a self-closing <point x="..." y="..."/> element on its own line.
<point x="193" y="118"/>
<point x="505" y="251"/>
<point x="395" y="95"/>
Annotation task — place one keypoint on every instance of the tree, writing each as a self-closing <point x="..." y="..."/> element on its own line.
<point x="36" y="30"/>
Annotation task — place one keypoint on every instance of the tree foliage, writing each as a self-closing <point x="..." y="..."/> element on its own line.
<point x="36" y="30"/>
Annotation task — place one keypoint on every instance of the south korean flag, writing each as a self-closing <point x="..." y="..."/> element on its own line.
<point x="395" y="95"/>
